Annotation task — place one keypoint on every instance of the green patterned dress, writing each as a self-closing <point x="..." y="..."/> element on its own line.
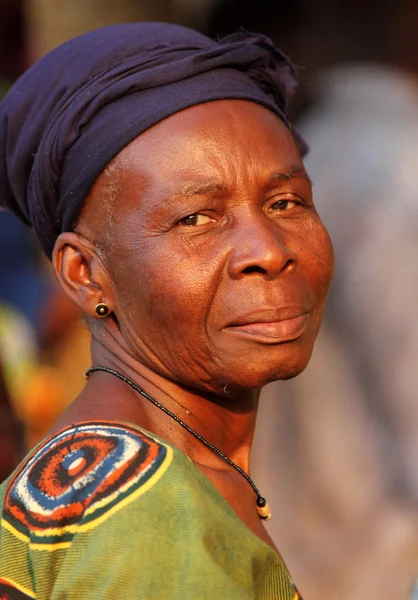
<point x="107" y="510"/>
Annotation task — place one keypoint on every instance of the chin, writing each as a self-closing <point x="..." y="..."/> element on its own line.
<point x="257" y="373"/>
<point x="258" y="380"/>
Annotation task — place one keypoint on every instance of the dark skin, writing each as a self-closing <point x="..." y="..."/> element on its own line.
<point x="215" y="266"/>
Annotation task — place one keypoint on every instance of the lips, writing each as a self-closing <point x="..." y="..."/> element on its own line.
<point x="271" y="326"/>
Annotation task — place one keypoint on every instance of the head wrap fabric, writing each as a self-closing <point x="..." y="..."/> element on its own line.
<point x="73" y="111"/>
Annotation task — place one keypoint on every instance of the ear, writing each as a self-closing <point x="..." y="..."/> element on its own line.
<point x="81" y="273"/>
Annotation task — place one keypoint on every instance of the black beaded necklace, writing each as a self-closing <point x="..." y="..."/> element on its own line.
<point x="263" y="508"/>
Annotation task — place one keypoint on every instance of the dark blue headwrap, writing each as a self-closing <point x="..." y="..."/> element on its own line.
<point x="73" y="111"/>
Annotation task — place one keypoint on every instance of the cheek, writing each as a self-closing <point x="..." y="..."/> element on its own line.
<point x="168" y="291"/>
<point x="317" y="261"/>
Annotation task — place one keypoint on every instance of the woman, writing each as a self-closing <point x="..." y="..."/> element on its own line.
<point x="162" y="177"/>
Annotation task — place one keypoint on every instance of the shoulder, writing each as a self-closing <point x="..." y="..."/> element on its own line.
<point x="79" y="477"/>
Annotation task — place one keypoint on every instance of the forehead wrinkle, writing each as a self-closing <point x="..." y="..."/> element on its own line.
<point x="296" y="171"/>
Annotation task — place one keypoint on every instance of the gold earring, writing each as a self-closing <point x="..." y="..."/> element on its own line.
<point x="102" y="309"/>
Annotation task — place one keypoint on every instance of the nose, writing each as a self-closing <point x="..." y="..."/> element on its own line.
<point x="259" y="247"/>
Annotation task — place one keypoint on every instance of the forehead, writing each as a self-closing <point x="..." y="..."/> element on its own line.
<point x="217" y="136"/>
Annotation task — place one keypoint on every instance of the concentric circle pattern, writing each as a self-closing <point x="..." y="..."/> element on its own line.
<point x="77" y="476"/>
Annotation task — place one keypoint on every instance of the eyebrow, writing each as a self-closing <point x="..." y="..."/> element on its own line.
<point x="293" y="172"/>
<point x="197" y="189"/>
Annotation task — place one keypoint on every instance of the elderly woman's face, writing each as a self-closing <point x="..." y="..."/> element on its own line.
<point x="219" y="262"/>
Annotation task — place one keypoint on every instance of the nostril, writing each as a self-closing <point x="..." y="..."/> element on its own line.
<point x="254" y="269"/>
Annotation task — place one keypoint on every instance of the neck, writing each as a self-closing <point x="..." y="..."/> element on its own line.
<point x="226" y="420"/>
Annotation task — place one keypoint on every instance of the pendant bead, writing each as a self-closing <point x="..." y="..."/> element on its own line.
<point x="263" y="509"/>
<point x="264" y="512"/>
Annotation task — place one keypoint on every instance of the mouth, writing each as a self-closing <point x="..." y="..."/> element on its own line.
<point x="269" y="328"/>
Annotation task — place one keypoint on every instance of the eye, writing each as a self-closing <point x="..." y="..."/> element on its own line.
<point x="283" y="205"/>
<point x="195" y="220"/>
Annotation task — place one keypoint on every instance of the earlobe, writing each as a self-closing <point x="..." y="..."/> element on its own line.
<point x="81" y="272"/>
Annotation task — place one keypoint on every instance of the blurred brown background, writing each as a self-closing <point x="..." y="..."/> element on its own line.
<point x="336" y="449"/>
